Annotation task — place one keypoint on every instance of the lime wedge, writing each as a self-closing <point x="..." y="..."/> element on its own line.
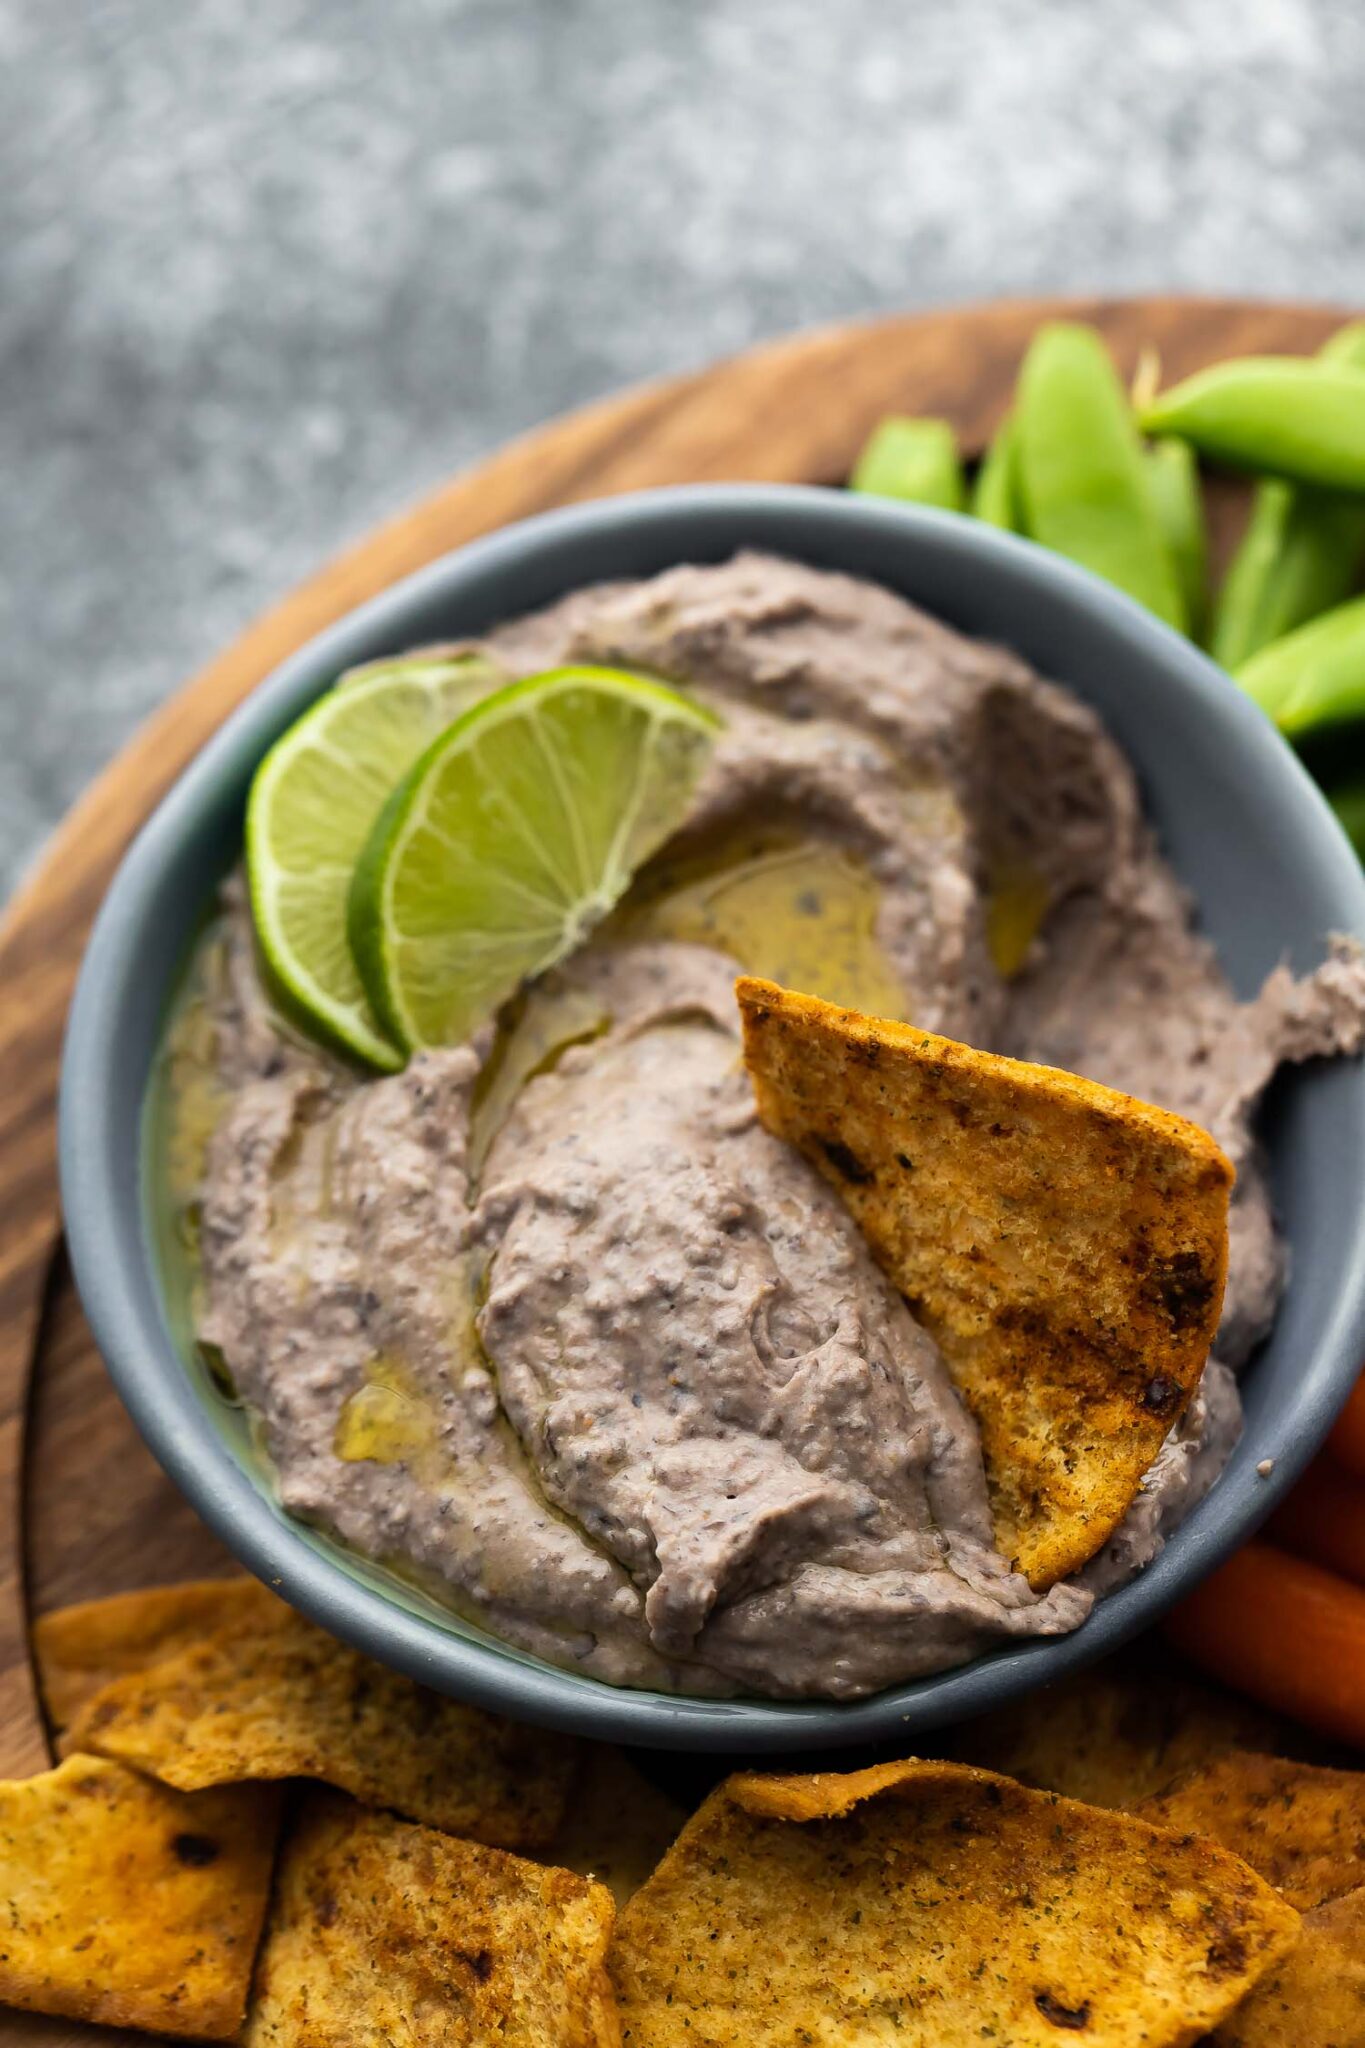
<point x="512" y="836"/>
<point x="312" y="807"/>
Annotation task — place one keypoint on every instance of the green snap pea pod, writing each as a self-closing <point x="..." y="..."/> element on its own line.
<point x="1298" y="558"/>
<point x="1289" y="416"/>
<point x="1345" y="348"/>
<point x="916" y="460"/>
<point x="1349" y="805"/>
<point x="1173" y="475"/>
<point x="995" y="498"/>
<point x="1299" y="554"/>
<point x="1315" y="676"/>
<point x="1082" y="478"/>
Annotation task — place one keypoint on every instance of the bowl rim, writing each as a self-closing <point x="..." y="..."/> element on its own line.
<point x="138" y="1347"/>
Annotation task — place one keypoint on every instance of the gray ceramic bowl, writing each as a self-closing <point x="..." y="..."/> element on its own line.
<point x="1239" y="818"/>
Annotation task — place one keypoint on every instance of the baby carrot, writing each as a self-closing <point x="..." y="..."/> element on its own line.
<point x="1324" y="1519"/>
<point x="1287" y="1632"/>
<point x="1347" y="1442"/>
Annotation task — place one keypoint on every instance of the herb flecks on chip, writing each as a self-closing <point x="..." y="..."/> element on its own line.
<point x="939" y="1907"/>
<point x="1065" y="1245"/>
<point x="1315" y="1998"/>
<point x="1114" y="1735"/>
<point x="382" y="1932"/>
<point x="283" y="1699"/>
<point x="131" y="1904"/>
<point x="82" y="1649"/>
<point x="1300" y="1826"/>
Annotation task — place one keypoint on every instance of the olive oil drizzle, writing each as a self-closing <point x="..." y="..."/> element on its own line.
<point x="795" y="910"/>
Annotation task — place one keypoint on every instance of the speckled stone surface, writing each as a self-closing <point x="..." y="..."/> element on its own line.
<point x="271" y="268"/>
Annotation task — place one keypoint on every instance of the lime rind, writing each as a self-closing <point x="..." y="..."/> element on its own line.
<point x="422" y="665"/>
<point x="310" y="811"/>
<point x="515" y="832"/>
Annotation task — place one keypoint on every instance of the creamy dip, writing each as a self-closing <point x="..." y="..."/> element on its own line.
<point x="550" y="1323"/>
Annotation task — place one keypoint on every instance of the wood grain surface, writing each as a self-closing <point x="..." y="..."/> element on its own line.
<point x="83" y="1508"/>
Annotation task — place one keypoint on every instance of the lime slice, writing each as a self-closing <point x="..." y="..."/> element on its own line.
<point x="312" y="807"/>
<point x="512" y="836"/>
<point x="423" y="664"/>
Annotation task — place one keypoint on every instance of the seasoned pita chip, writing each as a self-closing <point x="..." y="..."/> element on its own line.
<point x="1066" y="1246"/>
<point x="286" y="1700"/>
<point x="1301" y="1827"/>
<point x="618" y="1823"/>
<point x="1315" y="1998"/>
<point x="382" y="1933"/>
<point x="1113" y="1736"/>
<point x="128" y="1903"/>
<point x="937" y="1907"/>
<point x="81" y="1649"/>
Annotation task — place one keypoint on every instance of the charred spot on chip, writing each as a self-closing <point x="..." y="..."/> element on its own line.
<point x="1160" y="1395"/>
<point x="1227" y="1951"/>
<point x="1023" y="1317"/>
<point x="1072" y="2016"/>
<point x="1184" y="1288"/>
<point x="846" y="1163"/>
<point x="196" y="1851"/>
<point x="906" y="1164"/>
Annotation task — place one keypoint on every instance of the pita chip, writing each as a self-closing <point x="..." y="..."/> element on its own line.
<point x="938" y="1907"/>
<point x="382" y="1932"/>
<point x="1065" y="1245"/>
<point x="131" y="1904"/>
<point x="286" y="1700"/>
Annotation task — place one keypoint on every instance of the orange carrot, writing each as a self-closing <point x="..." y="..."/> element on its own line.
<point x="1287" y="1632"/>
<point x="1347" y="1441"/>
<point x="1324" y="1518"/>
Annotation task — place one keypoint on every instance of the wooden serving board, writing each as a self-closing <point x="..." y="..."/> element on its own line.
<point x="84" y="1510"/>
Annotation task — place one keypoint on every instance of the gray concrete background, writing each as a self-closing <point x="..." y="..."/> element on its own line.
<point x="271" y="268"/>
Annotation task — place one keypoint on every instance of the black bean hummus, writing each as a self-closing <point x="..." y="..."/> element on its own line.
<point x="552" y="1325"/>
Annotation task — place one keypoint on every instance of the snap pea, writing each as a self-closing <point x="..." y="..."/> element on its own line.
<point x="1297" y="559"/>
<point x="916" y="460"/>
<point x="1349" y="805"/>
<point x="1299" y="554"/>
<point x="995" y="498"/>
<point x="1315" y="676"/>
<point x="1288" y="416"/>
<point x="1173" y="476"/>
<point x="1345" y="348"/>
<point x="1082" y="480"/>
